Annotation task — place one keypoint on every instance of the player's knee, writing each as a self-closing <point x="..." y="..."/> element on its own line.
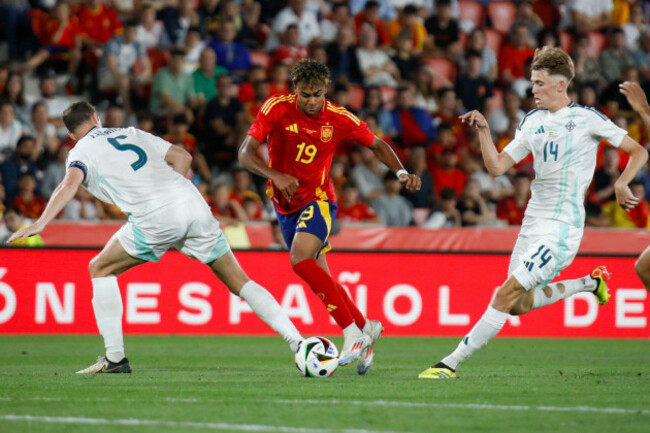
<point x="96" y="268"/>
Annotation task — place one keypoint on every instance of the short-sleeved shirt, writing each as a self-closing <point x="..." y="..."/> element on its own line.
<point x="303" y="146"/>
<point x="180" y="89"/>
<point x="564" y="145"/>
<point x="100" y="24"/>
<point x="126" y="55"/>
<point x="126" y="167"/>
<point x="206" y="85"/>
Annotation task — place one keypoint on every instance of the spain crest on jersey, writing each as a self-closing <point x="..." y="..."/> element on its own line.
<point x="326" y="133"/>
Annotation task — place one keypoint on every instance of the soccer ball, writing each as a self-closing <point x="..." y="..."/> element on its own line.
<point x="317" y="357"/>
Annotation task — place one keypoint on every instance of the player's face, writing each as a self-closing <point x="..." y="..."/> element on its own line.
<point x="544" y="88"/>
<point x="310" y="98"/>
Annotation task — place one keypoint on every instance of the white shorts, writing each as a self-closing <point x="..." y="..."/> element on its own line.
<point x="188" y="225"/>
<point x="543" y="249"/>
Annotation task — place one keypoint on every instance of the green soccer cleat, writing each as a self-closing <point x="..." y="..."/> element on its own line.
<point x="438" y="371"/>
<point x="103" y="365"/>
<point x="601" y="276"/>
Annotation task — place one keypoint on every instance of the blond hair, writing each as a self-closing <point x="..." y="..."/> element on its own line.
<point x="554" y="61"/>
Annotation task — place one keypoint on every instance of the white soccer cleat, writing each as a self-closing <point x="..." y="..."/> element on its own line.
<point x="103" y="365"/>
<point x="367" y="355"/>
<point x="352" y="347"/>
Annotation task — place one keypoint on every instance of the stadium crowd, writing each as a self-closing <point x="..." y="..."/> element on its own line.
<point x="197" y="72"/>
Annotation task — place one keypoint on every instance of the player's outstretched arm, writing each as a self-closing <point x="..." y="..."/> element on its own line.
<point x="495" y="162"/>
<point x="638" y="158"/>
<point x="386" y="155"/>
<point x="178" y="159"/>
<point x="285" y="183"/>
<point x="60" y="197"/>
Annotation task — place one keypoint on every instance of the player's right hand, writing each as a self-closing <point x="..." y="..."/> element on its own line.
<point x="24" y="233"/>
<point x="287" y="184"/>
<point x="411" y="182"/>
<point x="635" y="96"/>
<point x="475" y="119"/>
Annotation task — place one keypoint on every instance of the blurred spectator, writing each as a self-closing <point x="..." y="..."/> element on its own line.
<point x="413" y="124"/>
<point x="318" y="52"/>
<point x="225" y="118"/>
<point x="417" y="164"/>
<point x="373" y="105"/>
<point x="194" y="46"/>
<point x="642" y="55"/>
<point x="44" y="133"/>
<point x="294" y="13"/>
<point x="145" y="121"/>
<point x="501" y="118"/>
<point x="448" y="111"/>
<point x="151" y="31"/>
<point x="331" y="24"/>
<point x="246" y="91"/>
<point x="177" y="20"/>
<point x="426" y="96"/>
<point x="173" y="89"/>
<point x="637" y="217"/>
<point x="588" y="97"/>
<point x="588" y="15"/>
<point x="341" y="96"/>
<point x="210" y="17"/>
<point x="27" y="200"/>
<point x="369" y="18"/>
<point x="526" y="16"/>
<point x="616" y="57"/>
<point x="594" y="215"/>
<point x="445" y="213"/>
<point x="55" y="103"/>
<point x="20" y="162"/>
<point x="443" y="30"/>
<point x="242" y="192"/>
<point x="338" y="172"/>
<point x="512" y="209"/>
<point x="83" y="207"/>
<point x="342" y="56"/>
<point x="224" y="208"/>
<point x="587" y="69"/>
<point x="14" y="92"/>
<point x="278" y="239"/>
<point x="124" y="67"/>
<point x="405" y="59"/>
<point x="230" y="54"/>
<point x="446" y="141"/>
<point x="605" y="177"/>
<point x="472" y="207"/>
<point x="548" y="37"/>
<point x="205" y="77"/>
<point x="367" y="174"/>
<point x="476" y="41"/>
<point x="522" y="86"/>
<point x="54" y="173"/>
<point x="393" y="209"/>
<point x="386" y="10"/>
<point x="514" y="54"/>
<point x="17" y="27"/>
<point x="178" y="133"/>
<point x="252" y="33"/>
<point x="408" y="24"/>
<point x="375" y="65"/>
<point x="634" y="27"/>
<point x="115" y="117"/>
<point x="10" y="129"/>
<point x="491" y="188"/>
<point x="14" y="221"/>
<point x="290" y="51"/>
<point x="60" y="34"/>
<point x="351" y="209"/>
<point x="472" y="88"/>
<point x="279" y="80"/>
<point x="447" y="174"/>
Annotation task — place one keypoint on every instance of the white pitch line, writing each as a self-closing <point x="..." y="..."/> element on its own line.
<point x="180" y="424"/>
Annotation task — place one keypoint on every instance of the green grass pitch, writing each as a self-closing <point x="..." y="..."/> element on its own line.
<point x="234" y="384"/>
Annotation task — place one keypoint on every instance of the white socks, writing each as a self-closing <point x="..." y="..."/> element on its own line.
<point x="485" y="329"/>
<point x="107" y="303"/>
<point x="561" y="290"/>
<point x="268" y="309"/>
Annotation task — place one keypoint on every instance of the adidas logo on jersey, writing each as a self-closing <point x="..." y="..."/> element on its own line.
<point x="540" y="130"/>
<point x="292" y="128"/>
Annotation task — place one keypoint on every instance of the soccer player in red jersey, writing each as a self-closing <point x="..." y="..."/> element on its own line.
<point x="302" y="130"/>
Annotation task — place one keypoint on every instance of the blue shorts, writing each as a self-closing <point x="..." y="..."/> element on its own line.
<point x="315" y="218"/>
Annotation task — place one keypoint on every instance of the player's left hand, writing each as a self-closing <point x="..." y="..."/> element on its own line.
<point x="624" y="196"/>
<point x="635" y="96"/>
<point x="25" y="232"/>
<point x="410" y="181"/>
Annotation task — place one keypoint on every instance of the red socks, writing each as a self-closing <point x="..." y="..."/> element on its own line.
<point x="331" y="293"/>
<point x="359" y="320"/>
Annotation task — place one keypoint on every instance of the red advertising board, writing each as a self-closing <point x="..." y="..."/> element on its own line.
<point x="50" y="292"/>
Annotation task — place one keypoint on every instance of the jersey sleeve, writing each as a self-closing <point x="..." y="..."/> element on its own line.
<point x="263" y="124"/>
<point x="78" y="159"/>
<point x="604" y="129"/>
<point x="359" y="131"/>
<point x="157" y="145"/>
<point x="519" y="147"/>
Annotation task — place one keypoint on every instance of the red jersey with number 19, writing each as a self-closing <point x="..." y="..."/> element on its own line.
<point x="303" y="146"/>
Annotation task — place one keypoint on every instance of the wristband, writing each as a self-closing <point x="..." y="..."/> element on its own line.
<point x="401" y="172"/>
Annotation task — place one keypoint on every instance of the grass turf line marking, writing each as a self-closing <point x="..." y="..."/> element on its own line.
<point x="179" y="424"/>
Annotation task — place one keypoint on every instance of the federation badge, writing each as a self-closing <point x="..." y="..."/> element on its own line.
<point x="570" y="126"/>
<point x="326" y="133"/>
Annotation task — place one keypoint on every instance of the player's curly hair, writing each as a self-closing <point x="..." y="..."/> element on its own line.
<point x="310" y="72"/>
<point x="77" y="114"/>
<point x="554" y="61"/>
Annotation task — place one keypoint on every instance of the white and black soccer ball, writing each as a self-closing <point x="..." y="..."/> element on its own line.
<point x="317" y="357"/>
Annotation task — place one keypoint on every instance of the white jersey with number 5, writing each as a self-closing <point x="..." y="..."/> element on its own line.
<point x="564" y="146"/>
<point x="126" y="167"/>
